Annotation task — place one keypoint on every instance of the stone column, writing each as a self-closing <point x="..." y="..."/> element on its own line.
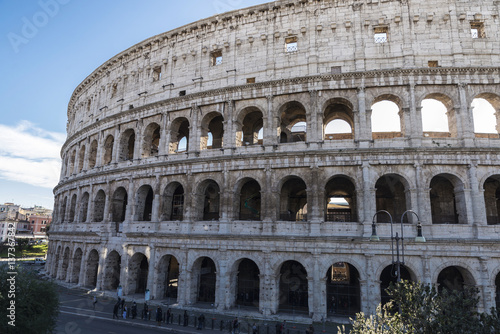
<point x="477" y="197"/>
<point x="152" y="272"/>
<point x="364" y="132"/>
<point x="487" y="291"/>
<point x="466" y="124"/>
<point x="313" y="199"/>
<point x="414" y="129"/>
<point x="270" y="133"/>
<point x="100" y="269"/>
<point x="116" y="145"/>
<point x="90" y="208"/>
<point x="313" y="133"/>
<point x="83" y="267"/>
<point x="268" y="206"/>
<point x="164" y="140"/>
<point x="100" y="150"/>
<point x="225" y="204"/>
<point x="426" y="266"/>
<point x="194" y="130"/>
<point x="124" y="272"/>
<point x="138" y="140"/>
<point x="370" y="297"/>
<point x="359" y="37"/>
<point x="229" y="137"/>
<point x="368" y="195"/>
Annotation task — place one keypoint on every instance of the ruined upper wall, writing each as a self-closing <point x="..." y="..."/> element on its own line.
<point x="332" y="35"/>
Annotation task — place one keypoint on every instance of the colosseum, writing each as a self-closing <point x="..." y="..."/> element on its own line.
<point x="260" y="160"/>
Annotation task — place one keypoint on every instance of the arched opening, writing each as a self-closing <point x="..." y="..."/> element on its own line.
<point x="173" y="202"/>
<point x="492" y="199"/>
<point x="81" y="158"/>
<point x="338" y="129"/>
<point x="92" y="267"/>
<point x="342" y="289"/>
<point x="108" y="150"/>
<point x="99" y="202"/>
<point x="72" y="161"/>
<point x="92" y="154"/>
<point x="77" y="263"/>
<point x="112" y="271"/>
<point x="447" y="200"/>
<point x="438" y="117"/>
<point x="248" y="284"/>
<point x="127" y="144"/>
<point x="206" y="281"/>
<point x="391" y="196"/>
<point x="390" y="275"/>
<point x="119" y="205"/>
<point x="248" y="128"/>
<point x="454" y="278"/>
<point x="293" y="200"/>
<point x="293" y="287"/>
<point x="84" y="207"/>
<point x="338" y="120"/>
<point x="386" y="120"/>
<point x="168" y="278"/>
<point x="208" y="192"/>
<point x="485" y="116"/>
<point x="65" y="264"/>
<point x="250" y="201"/>
<point x="63" y="209"/>
<point x="293" y="122"/>
<point x="213" y="126"/>
<point x="72" y="209"/>
<point x="179" y="135"/>
<point x="151" y="141"/>
<point x="138" y="273"/>
<point x="144" y="203"/>
<point x="340" y="200"/>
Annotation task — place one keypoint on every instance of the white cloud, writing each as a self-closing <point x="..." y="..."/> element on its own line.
<point x="30" y="155"/>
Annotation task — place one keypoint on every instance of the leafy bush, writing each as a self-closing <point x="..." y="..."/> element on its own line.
<point x="36" y="302"/>
<point x="421" y="309"/>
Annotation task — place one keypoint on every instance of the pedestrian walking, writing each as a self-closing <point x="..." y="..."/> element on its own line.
<point x="134" y="310"/>
<point x="115" y="310"/>
<point x="159" y="315"/>
<point x="145" y="311"/>
<point x="124" y="311"/>
<point x="201" y="321"/>
<point x="169" y="314"/>
<point x="254" y="328"/>
<point x="95" y="302"/>
<point x="186" y="318"/>
<point x="236" y="326"/>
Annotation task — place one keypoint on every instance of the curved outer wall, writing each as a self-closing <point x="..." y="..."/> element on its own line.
<point x="124" y="159"/>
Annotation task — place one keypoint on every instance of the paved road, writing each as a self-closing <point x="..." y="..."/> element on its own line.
<point x="77" y="316"/>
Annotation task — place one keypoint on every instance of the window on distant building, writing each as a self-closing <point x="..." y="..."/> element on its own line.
<point x="381" y="34"/>
<point x="433" y="63"/>
<point x="291" y="44"/>
<point x="216" y="58"/>
<point x="477" y="30"/>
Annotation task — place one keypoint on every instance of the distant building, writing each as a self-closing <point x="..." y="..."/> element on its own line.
<point x="28" y="222"/>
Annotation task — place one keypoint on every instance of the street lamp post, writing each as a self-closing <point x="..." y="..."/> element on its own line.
<point x="400" y="260"/>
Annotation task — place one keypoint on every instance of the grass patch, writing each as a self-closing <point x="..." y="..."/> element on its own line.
<point x="30" y="251"/>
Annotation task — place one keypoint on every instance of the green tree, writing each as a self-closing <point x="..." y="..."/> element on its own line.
<point x="36" y="302"/>
<point x="421" y="309"/>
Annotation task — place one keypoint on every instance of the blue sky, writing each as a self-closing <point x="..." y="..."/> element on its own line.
<point x="47" y="47"/>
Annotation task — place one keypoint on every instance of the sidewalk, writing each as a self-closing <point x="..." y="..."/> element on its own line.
<point x="215" y="323"/>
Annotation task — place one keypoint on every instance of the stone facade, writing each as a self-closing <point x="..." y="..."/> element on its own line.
<point x="186" y="172"/>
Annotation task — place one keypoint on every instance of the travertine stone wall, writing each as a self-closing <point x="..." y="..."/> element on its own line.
<point x="133" y="196"/>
